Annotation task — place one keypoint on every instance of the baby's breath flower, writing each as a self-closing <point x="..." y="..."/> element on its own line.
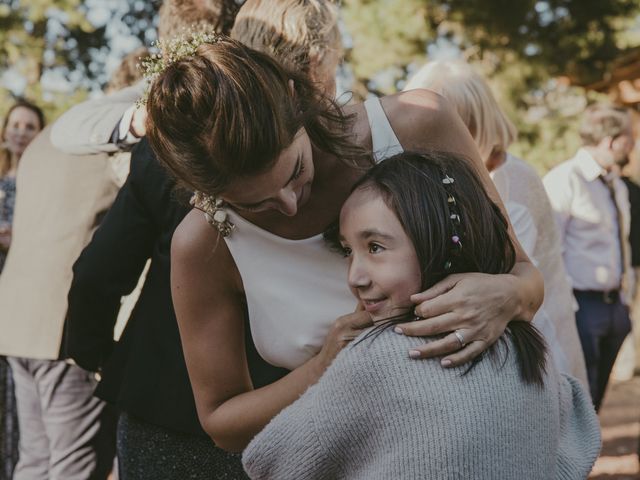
<point x="173" y="50"/>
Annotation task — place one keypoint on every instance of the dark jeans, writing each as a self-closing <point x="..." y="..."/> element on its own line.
<point x="602" y="328"/>
<point x="151" y="452"/>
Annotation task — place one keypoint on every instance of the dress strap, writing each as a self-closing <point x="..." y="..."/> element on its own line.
<point x="385" y="142"/>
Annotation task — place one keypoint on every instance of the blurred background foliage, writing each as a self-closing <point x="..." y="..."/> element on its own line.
<point x="538" y="55"/>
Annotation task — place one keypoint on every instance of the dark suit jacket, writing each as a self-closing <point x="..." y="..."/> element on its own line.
<point x="634" y="233"/>
<point x="144" y="374"/>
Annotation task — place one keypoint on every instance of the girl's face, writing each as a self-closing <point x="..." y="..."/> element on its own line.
<point x="383" y="266"/>
<point x="22" y="126"/>
<point x="285" y="187"/>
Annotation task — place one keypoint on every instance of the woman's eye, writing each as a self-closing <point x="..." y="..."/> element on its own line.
<point x="375" y="248"/>
<point x="346" y="251"/>
<point x="299" y="173"/>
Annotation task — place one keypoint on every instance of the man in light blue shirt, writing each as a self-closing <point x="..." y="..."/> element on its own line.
<point x="591" y="207"/>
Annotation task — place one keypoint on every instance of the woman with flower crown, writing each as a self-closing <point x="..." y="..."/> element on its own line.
<point x="271" y="161"/>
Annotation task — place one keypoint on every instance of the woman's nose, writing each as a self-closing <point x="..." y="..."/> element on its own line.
<point x="288" y="202"/>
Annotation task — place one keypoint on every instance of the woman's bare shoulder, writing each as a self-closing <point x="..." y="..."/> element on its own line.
<point x="197" y="247"/>
<point x="424" y="120"/>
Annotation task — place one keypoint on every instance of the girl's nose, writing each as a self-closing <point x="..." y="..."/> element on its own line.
<point x="358" y="277"/>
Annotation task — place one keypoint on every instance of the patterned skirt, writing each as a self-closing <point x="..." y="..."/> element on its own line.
<point x="150" y="452"/>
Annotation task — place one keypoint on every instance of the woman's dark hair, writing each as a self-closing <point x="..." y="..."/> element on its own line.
<point x="228" y="111"/>
<point x="412" y="186"/>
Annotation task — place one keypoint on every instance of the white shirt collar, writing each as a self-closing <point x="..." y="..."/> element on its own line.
<point x="588" y="165"/>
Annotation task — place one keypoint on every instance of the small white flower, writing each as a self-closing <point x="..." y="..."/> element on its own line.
<point x="220" y="216"/>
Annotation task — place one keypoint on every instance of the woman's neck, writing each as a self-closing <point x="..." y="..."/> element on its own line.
<point x="13" y="165"/>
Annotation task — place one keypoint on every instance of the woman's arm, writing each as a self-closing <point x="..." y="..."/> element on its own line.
<point x="87" y="127"/>
<point x="479" y="305"/>
<point x="207" y="295"/>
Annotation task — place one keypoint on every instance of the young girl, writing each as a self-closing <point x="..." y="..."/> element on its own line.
<point x="375" y="414"/>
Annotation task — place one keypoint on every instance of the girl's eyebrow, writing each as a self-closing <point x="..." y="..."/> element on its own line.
<point x="368" y="233"/>
<point x="374" y="232"/>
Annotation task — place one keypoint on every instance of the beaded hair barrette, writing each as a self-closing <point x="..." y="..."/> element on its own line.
<point x="454" y="216"/>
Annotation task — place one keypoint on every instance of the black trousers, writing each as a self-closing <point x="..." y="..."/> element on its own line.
<point x="602" y="326"/>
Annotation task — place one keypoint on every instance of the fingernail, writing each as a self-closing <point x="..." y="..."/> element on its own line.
<point x="398" y="330"/>
<point x="414" y="353"/>
<point x="446" y="362"/>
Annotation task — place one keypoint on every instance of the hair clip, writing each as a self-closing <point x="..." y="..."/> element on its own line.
<point x="454" y="216"/>
<point x="214" y="212"/>
<point x="447" y="180"/>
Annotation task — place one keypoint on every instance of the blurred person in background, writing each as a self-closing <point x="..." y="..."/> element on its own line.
<point x="525" y="199"/>
<point x="144" y="374"/>
<point x="65" y="432"/>
<point x="114" y="122"/>
<point x="591" y="205"/>
<point x="21" y="124"/>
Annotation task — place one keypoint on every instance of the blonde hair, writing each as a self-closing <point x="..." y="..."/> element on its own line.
<point x="470" y="94"/>
<point x="602" y="120"/>
<point x="295" y="32"/>
<point x="128" y="72"/>
<point x="176" y="16"/>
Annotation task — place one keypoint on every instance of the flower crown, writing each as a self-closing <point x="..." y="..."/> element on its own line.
<point x="173" y="50"/>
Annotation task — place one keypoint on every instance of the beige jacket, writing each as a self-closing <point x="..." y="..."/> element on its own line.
<point x="59" y="201"/>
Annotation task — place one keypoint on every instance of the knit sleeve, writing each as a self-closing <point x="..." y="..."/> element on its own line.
<point x="289" y="446"/>
<point x="579" y="442"/>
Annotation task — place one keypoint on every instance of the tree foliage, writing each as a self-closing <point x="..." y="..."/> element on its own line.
<point x="49" y="39"/>
<point x="536" y="54"/>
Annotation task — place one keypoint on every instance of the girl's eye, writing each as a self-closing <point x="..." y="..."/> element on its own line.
<point x="346" y="251"/>
<point x="375" y="248"/>
<point x="299" y="173"/>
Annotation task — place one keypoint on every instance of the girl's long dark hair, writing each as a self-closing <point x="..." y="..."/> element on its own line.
<point x="412" y="186"/>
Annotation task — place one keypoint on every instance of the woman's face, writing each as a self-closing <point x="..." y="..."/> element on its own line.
<point x="383" y="266"/>
<point x="285" y="187"/>
<point x="22" y="126"/>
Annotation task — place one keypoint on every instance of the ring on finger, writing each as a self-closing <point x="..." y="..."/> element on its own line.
<point x="460" y="338"/>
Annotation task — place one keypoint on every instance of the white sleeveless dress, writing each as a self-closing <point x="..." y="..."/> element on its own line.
<point x="296" y="289"/>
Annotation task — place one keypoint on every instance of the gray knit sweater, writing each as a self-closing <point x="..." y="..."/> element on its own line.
<point x="376" y="414"/>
